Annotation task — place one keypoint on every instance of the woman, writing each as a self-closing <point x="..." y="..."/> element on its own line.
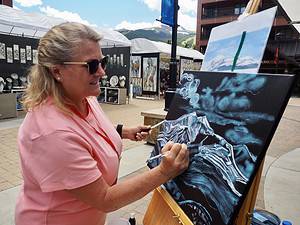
<point x="69" y="150"/>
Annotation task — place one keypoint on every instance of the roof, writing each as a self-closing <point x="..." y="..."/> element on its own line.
<point x="143" y="45"/>
<point x="17" y="22"/>
<point x="292" y="9"/>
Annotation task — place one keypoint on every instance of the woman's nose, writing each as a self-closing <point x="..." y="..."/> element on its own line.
<point x="100" y="71"/>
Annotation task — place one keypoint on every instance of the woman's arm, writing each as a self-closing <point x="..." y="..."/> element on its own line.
<point x="105" y="198"/>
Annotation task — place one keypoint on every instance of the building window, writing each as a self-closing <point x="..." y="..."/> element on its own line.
<point x="239" y="9"/>
<point x="1" y="2"/>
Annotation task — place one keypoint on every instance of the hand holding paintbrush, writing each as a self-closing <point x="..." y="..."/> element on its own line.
<point x="175" y="159"/>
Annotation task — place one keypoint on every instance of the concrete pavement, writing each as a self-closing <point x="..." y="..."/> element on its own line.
<point x="279" y="187"/>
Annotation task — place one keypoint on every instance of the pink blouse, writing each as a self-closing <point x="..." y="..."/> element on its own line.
<point x="61" y="152"/>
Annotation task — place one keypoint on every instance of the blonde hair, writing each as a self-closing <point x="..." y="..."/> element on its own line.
<point x="60" y="44"/>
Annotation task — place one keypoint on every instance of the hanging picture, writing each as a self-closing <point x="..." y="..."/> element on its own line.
<point x="28" y="52"/>
<point x="135" y="66"/>
<point x="227" y="121"/>
<point x="150" y="74"/>
<point x="23" y="55"/>
<point x="186" y="64"/>
<point x="34" y="56"/>
<point x="9" y="52"/>
<point x="122" y="59"/>
<point x="2" y="51"/>
<point x="108" y="60"/>
<point x="118" y="61"/>
<point x="16" y="52"/>
<point x="137" y="86"/>
<point x="114" y="59"/>
<point x="231" y="46"/>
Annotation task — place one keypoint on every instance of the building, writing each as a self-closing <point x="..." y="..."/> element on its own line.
<point x="6" y="2"/>
<point x="282" y="53"/>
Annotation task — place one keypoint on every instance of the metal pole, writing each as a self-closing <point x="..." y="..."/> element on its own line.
<point x="170" y="92"/>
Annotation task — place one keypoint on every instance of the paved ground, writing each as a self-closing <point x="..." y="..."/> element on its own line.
<point x="274" y="185"/>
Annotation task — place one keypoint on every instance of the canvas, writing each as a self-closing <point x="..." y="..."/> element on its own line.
<point x="150" y="74"/>
<point x="135" y="66"/>
<point x="239" y="46"/>
<point x="227" y="121"/>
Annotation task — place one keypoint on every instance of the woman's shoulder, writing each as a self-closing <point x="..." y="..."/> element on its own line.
<point x="47" y="118"/>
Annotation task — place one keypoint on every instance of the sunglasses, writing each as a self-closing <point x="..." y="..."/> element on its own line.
<point x="92" y="65"/>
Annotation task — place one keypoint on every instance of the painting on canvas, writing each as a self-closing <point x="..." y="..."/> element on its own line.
<point x="239" y="46"/>
<point x="227" y="121"/>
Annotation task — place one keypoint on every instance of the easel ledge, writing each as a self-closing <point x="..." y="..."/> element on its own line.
<point x="164" y="210"/>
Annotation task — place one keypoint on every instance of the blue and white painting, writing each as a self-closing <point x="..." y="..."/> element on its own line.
<point x="239" y="46"/>
<point x="227" y="121"/>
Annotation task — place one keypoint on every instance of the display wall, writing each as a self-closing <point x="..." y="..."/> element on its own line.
<point x="17" y="54"/>
<point x="118" y="64"/>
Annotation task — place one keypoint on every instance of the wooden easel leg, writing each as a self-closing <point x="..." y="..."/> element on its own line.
<point x="244" y="216"/>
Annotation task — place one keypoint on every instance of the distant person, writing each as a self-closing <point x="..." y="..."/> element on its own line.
<point x="70" y="152"/>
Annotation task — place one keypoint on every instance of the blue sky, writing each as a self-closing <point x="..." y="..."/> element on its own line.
<point x="114" y="14"/>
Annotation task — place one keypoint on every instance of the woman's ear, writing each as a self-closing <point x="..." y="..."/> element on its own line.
<point x="56" y="73"/>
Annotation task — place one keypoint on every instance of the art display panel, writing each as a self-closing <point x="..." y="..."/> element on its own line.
<point x="227" y="121"/>
<point x="231" y="46"/>
<point x="150" y="74"/>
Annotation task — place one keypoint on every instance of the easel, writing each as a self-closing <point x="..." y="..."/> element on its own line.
<point x="163" y="210"/>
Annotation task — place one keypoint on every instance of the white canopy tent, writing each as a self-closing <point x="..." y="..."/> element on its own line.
<point x="292" y="9"/>
<point x="17" y="22"/>
<point x="143" y="45"/>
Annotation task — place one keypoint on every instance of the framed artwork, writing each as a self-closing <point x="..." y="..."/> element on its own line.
<point x="114" y="59"/>
<point x="16" y="52"/>
<point x="227" y="121"/>
<point x="150" y="74"/>
<point x="186" y="64"/>
<point x="28" y="52"/>
<point x="23" y="55"/>
<point x="135" y="66"/>
<point x="122" y="59"/>
<point x="2" y="51"/>
<point x="9" y="52"/>
<point x="34" y="56"/>
<point x="230" y="46"/>
<point x="137" y="86"/>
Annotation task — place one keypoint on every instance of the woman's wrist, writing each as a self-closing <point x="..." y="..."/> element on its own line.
<point x="125" y="133"/>
<point x="119" y="129"/>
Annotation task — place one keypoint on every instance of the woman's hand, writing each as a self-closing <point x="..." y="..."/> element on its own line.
<point x="175" y="159"/>
<point x="138" y="133"/>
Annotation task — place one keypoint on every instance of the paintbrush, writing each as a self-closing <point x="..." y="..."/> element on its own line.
<point x="153" y="126"/>
<point x="156" y="157"/>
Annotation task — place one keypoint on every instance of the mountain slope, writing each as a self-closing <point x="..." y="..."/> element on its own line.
<point x="184" y="38"/>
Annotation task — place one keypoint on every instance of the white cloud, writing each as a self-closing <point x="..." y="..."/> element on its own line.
<point x="187" y="22"/>
<point x="67" y="15"/>
<point x="29" y="3"/>
<point x="134" y="26"/>
<point x="188" y="6"/>
<point x="152" y="4"/>
<point x="15" y="7"/>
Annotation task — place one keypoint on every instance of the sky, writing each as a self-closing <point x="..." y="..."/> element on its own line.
<point x="112" y="14"/>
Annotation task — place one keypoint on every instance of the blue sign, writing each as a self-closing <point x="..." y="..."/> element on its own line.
<point x="167" y="12"/>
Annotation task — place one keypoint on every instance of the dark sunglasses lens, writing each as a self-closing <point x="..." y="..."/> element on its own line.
<point x="104" y="62"/>
<point x="93" y="66"/>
